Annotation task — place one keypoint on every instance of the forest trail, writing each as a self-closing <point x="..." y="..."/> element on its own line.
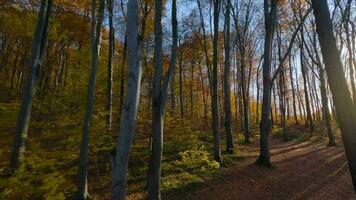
<point x="303" y="170"/>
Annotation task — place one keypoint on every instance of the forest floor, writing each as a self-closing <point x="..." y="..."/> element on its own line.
<point x="304" y="167"/>
<point x="301" y="170"/>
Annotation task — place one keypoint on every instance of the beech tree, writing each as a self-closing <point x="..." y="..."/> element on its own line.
<point x="270" y="11"/>
<point x="38" y="50"/>
<point x="227" y="88"/>
<point x="346" y="116"/>
<point x="161" y="86"/>
<point x="97" y="16"/>
<point x="109" y="94"/>
<point x="120" y="157"/>
<point x="214" y="97"/>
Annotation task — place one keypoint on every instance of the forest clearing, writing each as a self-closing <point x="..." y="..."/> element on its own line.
<point x="178" y="99"/>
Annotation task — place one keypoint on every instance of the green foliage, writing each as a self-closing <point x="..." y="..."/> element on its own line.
<point x="197" y="159"/>
<point x="32" y="181"/>
<point x="179" y="180"/>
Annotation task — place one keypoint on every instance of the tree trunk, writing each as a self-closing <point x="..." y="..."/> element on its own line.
<point x="122" y="78"/>
<point x="270" y="12"/>
<point x="39" y="44"/>
<point x="120" y="158"/>
<point x="109" y="93"/>
<point x="309" y="121"/>
<point x="214" y="101"/>
<point x="159" y="98"/>
<point x="96" y="23"/>
<point x="227" y="103"/>
<point x="346" y="114"/>
<point x="181" y="86"/>
<point x="293" y="92"/>
<point x="325" y="107"/>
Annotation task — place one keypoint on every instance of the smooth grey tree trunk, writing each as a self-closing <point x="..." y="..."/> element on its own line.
<point x="346" y="114"/>
<point x="159" y="97"/>
<point x="227" y="100"/>
<point x="120" y="157"/>
<point x="96" y="24"/>
<point x="37" y="55"/>
<point x="109" y="94"/>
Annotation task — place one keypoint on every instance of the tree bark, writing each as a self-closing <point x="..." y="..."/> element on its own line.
<point x="293" y="91"/>
<point x="120" y="158"/>
<point x="325" y="107"/>
<point x="270" y="12"/>
<point x="346" y="114"/>
<point x="309" y="120"/>
<point x="109" y="93"/>
<point x="96" y="24"/>
<point x="159" y="98"/>
<point x="227" y="101"/>
<point x="39" y="44"/>
<point x="214" y="101"/>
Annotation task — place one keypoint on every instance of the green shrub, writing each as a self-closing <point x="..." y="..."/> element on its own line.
<point x="196" y="159"/>
<point x="182" y="179"/>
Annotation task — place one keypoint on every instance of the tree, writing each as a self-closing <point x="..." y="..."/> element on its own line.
<point x="109" y="94"/>
<point x="324" y="99"/>
<point x="159" y="97"/>
<point x="120" y="157"/>
<point x="270" y="12"/>
<point x="346" y="114"/>
<point x="38" y="50"/>
<point x="96" y="24"/>
<point x="243" y="45"/>
<point x="214" y="98"/>
<point x="309" y="121"/>
<point x="227" y="88"/>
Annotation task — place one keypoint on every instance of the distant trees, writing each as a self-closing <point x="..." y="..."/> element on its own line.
<point x="38" y="52"/>
<point x="243" y="23"/>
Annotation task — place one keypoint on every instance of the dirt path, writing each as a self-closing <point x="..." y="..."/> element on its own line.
<point x="302" y="171"/>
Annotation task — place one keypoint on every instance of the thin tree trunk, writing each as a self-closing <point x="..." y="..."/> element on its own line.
<point x="227" y="100"/>
<point x="214" y="101"/>
<point x="122" y="78"/>
<point x="293" y="91"/>
<point x="309" y="121"/>
<point x="159" y="98"/>
<point x="109" y="93"/>
<point x="37" y="55"/>
<point x="204" y="98"/>
<point x="181" y="85"/>
<point x="82" y="190"/>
